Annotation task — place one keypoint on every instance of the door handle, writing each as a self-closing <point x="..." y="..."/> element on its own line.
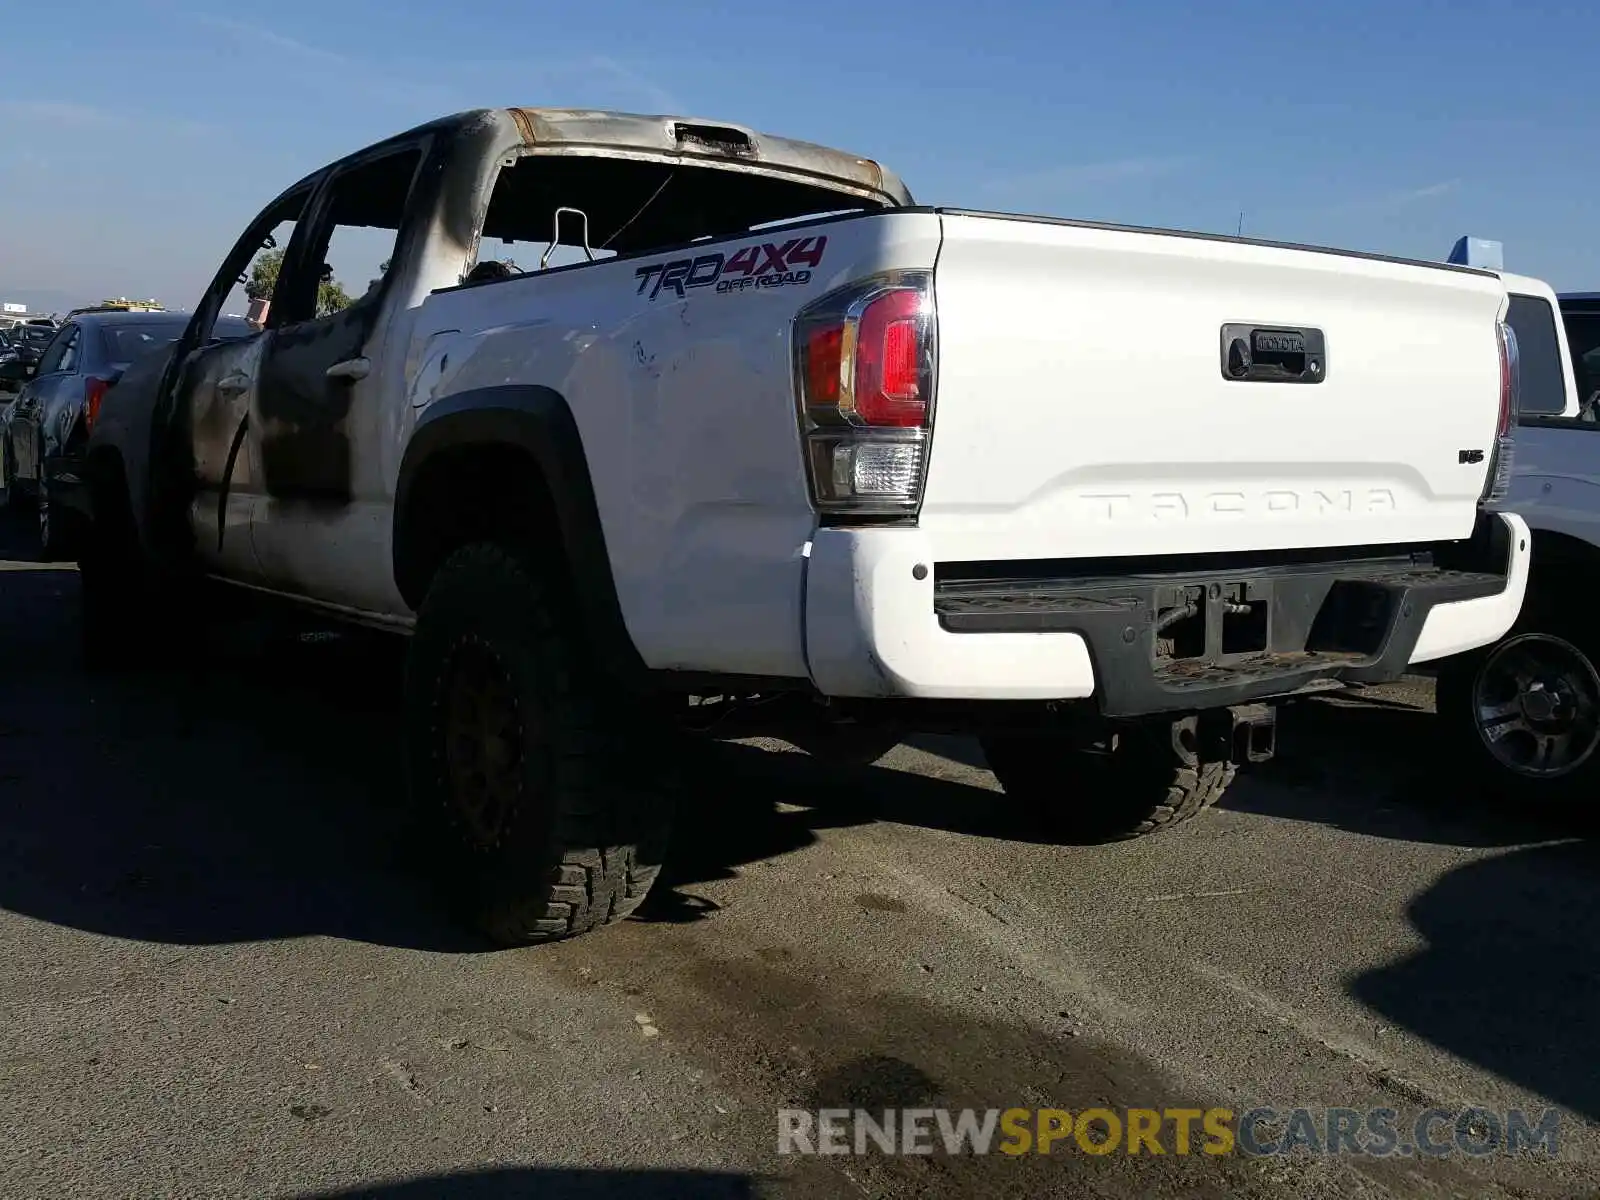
<point x="233" y="383"/>
<point x="351" y="369"/>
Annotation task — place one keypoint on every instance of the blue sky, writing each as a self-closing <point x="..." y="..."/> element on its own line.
<point x="137" y="137"/>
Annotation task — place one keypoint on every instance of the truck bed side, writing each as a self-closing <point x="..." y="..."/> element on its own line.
<point x="677" y="370"/>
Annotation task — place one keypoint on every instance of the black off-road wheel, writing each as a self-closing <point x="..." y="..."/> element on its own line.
<point x="1136" y="784"/>
<point x="543" y="775"/>
<point x="1523" y="715"/>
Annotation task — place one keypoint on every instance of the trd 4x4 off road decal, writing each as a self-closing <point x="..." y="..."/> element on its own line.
<point x="772" y="264"/>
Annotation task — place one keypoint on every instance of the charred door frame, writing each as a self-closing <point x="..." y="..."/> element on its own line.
<point x="305" y="451"/>
<point x="172" y="466"/>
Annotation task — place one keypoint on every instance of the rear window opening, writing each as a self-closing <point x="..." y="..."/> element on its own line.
<point x="1543" y="387"/>
<point x="624" y="206"/>
<point x="375" y="193"/>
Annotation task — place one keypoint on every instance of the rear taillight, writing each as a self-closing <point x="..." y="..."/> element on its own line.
<point x="1499" y="481"/>
<point x="94" y="393"/>
<point x="864" y="373"/>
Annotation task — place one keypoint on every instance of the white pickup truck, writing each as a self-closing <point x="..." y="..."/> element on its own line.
<point x="1524" y="712"/>
<point x="783" y="452"/>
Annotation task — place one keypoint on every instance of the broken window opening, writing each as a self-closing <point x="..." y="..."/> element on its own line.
<point x="508" y="258"/>
<point x="253" y="270"/>
<point x="360" y="228"/>
<point x="633" y="207"/>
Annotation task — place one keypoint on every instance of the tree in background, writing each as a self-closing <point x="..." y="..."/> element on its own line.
<point x="331" y="296"/>
<point x="263" y="278"/>
<point x="372" y="284"/>
<point x="263" y="275"/>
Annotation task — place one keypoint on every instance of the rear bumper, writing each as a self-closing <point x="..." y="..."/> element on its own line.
<point x="1123" y="632"/>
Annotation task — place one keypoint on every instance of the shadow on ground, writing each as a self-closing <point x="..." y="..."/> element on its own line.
<point x="261" y="796"/>
<point x="1363" y="764"/>
<point x="741" y="802"/>
<point x="1386" y="770"/>
<point x="258" y="797"/>
<point x="1509" y="979"/>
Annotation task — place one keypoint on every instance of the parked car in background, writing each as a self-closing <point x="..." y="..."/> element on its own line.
<point x="25" y="345"/>
<point x="8" y="323"/>
<point x="1526" y="710"/>
<point x="8" y="354"/>
<point x="44" y="429"/>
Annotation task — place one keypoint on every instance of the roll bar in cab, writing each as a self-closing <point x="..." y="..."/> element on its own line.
<point x="761" y="445"/>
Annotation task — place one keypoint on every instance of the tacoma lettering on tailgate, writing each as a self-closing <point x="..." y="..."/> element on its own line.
<point x="1277" y="502"/>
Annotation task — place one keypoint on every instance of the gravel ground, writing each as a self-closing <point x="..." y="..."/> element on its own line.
<point x="229" y="976"/>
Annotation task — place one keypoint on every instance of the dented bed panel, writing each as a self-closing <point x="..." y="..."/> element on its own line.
<point x="684" y="402"/>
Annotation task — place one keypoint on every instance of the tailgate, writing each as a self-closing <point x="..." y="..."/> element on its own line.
<point x="1087" y="405"/>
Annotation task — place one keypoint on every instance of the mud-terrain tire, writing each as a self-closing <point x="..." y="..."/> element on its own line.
<point x="542" y="773"/>
<point x="1474" y="692"/>
<point x="1137" y="787"/>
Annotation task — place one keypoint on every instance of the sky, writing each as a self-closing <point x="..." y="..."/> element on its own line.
<point x="139" y="137"/>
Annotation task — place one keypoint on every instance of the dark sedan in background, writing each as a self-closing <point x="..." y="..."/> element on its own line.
<point x="43" y="431"/>
<point x="21" y="346"/>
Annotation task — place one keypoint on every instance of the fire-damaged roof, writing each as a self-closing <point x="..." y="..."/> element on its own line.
<point x="640" y="181"/>
<point x="688" y="138"/>
<point x="649" y="181"/>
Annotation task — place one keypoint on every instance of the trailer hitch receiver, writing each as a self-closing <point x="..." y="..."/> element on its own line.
<point x="1240" y="733"/>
